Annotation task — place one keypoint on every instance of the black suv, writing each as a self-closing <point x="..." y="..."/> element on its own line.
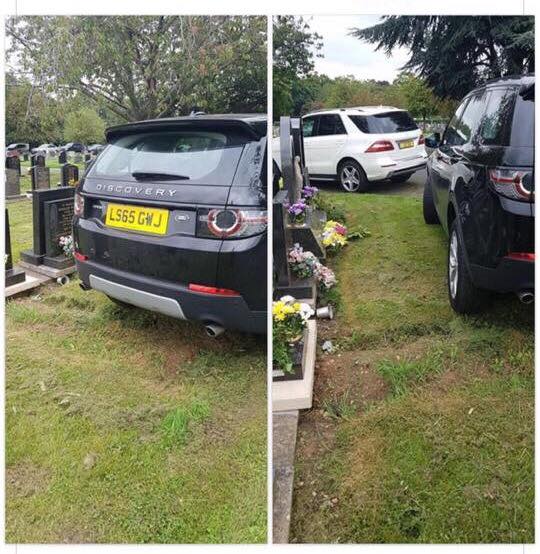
<point x="172" y="218"/>
<point x="480" y="187"/>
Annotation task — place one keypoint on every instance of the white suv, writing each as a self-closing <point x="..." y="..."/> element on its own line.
<point x="360" y="145"/>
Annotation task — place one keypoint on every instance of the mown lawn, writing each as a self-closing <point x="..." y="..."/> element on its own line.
<point x="52" y="164"/>
<point x="124" y="426"/>
<point x="21" y="227"/>
<point x="423" y="423"/>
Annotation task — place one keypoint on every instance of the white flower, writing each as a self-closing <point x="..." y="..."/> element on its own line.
<point x="288" y="299"/>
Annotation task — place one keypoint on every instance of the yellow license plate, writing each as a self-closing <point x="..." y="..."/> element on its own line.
<point x="406" y="144"/>
<point x="137" y="218"/>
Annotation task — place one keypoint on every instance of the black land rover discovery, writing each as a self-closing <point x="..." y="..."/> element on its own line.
<point x="480" y="187"/>
<point x="171" y="217"/>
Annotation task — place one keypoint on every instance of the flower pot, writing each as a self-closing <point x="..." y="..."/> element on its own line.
<point x="297" y="346"/>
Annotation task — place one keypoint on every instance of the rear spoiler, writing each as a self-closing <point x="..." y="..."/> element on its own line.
<point x="527" y="91"/>
<point x="113" y="133"/>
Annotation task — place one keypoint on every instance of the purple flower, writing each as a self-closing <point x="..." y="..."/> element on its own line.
<point x="296" y="209"/>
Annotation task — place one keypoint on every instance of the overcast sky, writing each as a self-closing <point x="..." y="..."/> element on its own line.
<point x="346" y="55"/>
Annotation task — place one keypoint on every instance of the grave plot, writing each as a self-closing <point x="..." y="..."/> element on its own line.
<point x="421" y="428"/>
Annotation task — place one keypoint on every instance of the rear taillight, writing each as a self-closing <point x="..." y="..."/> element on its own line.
<point x="204" y="289"/>
<point x="79" y="204"/>
<point x="380" y="146"/>
<point x="512" y="183"/>
<point x="421" y="139"/>
<point x="230" y="223"/>
<point x="521" y="256"/>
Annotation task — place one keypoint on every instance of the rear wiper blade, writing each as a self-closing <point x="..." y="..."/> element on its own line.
<point x="144" y="176"/>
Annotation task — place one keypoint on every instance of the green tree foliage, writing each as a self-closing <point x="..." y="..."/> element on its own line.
<point x="295" y="48"/>
<point x="140" y="67"/>
<point x="419" y="98"/>
<point x="31" y="116"/>
<point x="84" y="125"/>
<point x="456" y="53"/>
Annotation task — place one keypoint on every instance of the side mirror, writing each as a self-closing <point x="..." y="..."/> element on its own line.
<point x="433" y="141"/>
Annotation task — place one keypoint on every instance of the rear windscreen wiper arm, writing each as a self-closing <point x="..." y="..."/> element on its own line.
<point x="143" y="176"/>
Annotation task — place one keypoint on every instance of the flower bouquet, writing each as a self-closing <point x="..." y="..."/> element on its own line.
<point x="303" y="263"/>
<point x="297" y="212"/>
<point x="334" y="235"/>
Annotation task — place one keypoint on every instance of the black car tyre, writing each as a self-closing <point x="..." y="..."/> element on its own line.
<point x="352" y="177"/>
<point x="401" y="178"/>
<point x="464" y="297"/>
<point x="430" y="213"/>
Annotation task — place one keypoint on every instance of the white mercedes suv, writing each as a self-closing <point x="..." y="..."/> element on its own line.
<point x="358" y="146"/>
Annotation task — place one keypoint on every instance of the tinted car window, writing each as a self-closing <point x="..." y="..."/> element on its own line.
<point x="330" y="124"/>
<point x="495" y="126"/>
<point x="392" y="122"/>
<point x="471" y="118"/>
<point x="451" y="135"/>
<point x="196" y="156"/>
<point x="523" y="122"/>
<point x="308" y="126"/>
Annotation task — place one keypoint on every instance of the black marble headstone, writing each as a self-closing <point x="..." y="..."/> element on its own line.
<point x="52" y="212"/>
<point x="62" y="157"/>
<point x="14" y="275"/>
<point x="70" y="175"/>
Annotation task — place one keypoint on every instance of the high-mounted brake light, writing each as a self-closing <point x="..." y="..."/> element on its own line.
<point x="512" y="183"/>
<point x="380" y="146"/>
<point x="522" y="256"/>
<point x="212" y="290"/>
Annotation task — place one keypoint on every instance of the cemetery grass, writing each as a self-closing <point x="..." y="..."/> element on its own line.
<point x="20" y="220"/>
<point x="423" y="421"/>
<point x="127" y="427"/>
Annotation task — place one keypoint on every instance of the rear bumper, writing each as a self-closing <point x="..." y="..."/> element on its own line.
<point x="231" y="312"/>
<point x="383" y="167"/>
<point x="509" y="276"/>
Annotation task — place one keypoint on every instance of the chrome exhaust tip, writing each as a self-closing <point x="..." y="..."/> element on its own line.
<point x="326" y="312"/>
<point x="214" y="330"/>
<point x="526" y="297"/>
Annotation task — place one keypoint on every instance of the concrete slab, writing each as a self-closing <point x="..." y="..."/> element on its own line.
<point x="298" y="394"/>
<point x="47" y="271"/>
<point x="32" y="281"/>
<point x="285" y="426"/>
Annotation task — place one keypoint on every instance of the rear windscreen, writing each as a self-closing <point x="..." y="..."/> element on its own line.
<point x="391" y="122"/>
<point x="523" y="121"/>
<point x="194" y="156"/>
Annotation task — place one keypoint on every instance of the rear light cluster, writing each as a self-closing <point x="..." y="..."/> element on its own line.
<point x="421" y="139"/>
<point x="230" y="223"/>
<point x="512" y="183"/>
<point x="216" y="291"/>
<point x="78" y="208"/>
<point x="380" y="146"/>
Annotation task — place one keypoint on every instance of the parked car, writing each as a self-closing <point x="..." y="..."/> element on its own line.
<point x="17" y="149"/>
<point x="360" y="146"/>
<point x="172" y="217"/>
<point x="74" y="147"/>
<point x="46" y="150"/>
<point x="480" y="187"/>
<point x="95" y="149"/>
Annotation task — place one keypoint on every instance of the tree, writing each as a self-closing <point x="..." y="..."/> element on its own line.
<point x="84" y="125"/>
<point x="31" y="115"/>
<point x="140" y="67"/>
<point x="456" y="53"/>
<point x="295" y="48"/>
<point x="419" y="98"/>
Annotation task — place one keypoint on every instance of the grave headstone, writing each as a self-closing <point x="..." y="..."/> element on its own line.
<point x="70" y="175"/>
<point x="62" y="157"/>
<point x="40" y="177"/>
<point x="25" y="156"/>
<point x="13" y="275"/>
<point x="87" y="157"/>
<point x="13" y="162"/>
<point x="38" y="160"/>
<point x="52" y="213"/>
<point x="13" y="183"/>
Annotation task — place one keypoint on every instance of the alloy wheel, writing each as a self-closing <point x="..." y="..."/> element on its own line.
<point x="350" y="178"/>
